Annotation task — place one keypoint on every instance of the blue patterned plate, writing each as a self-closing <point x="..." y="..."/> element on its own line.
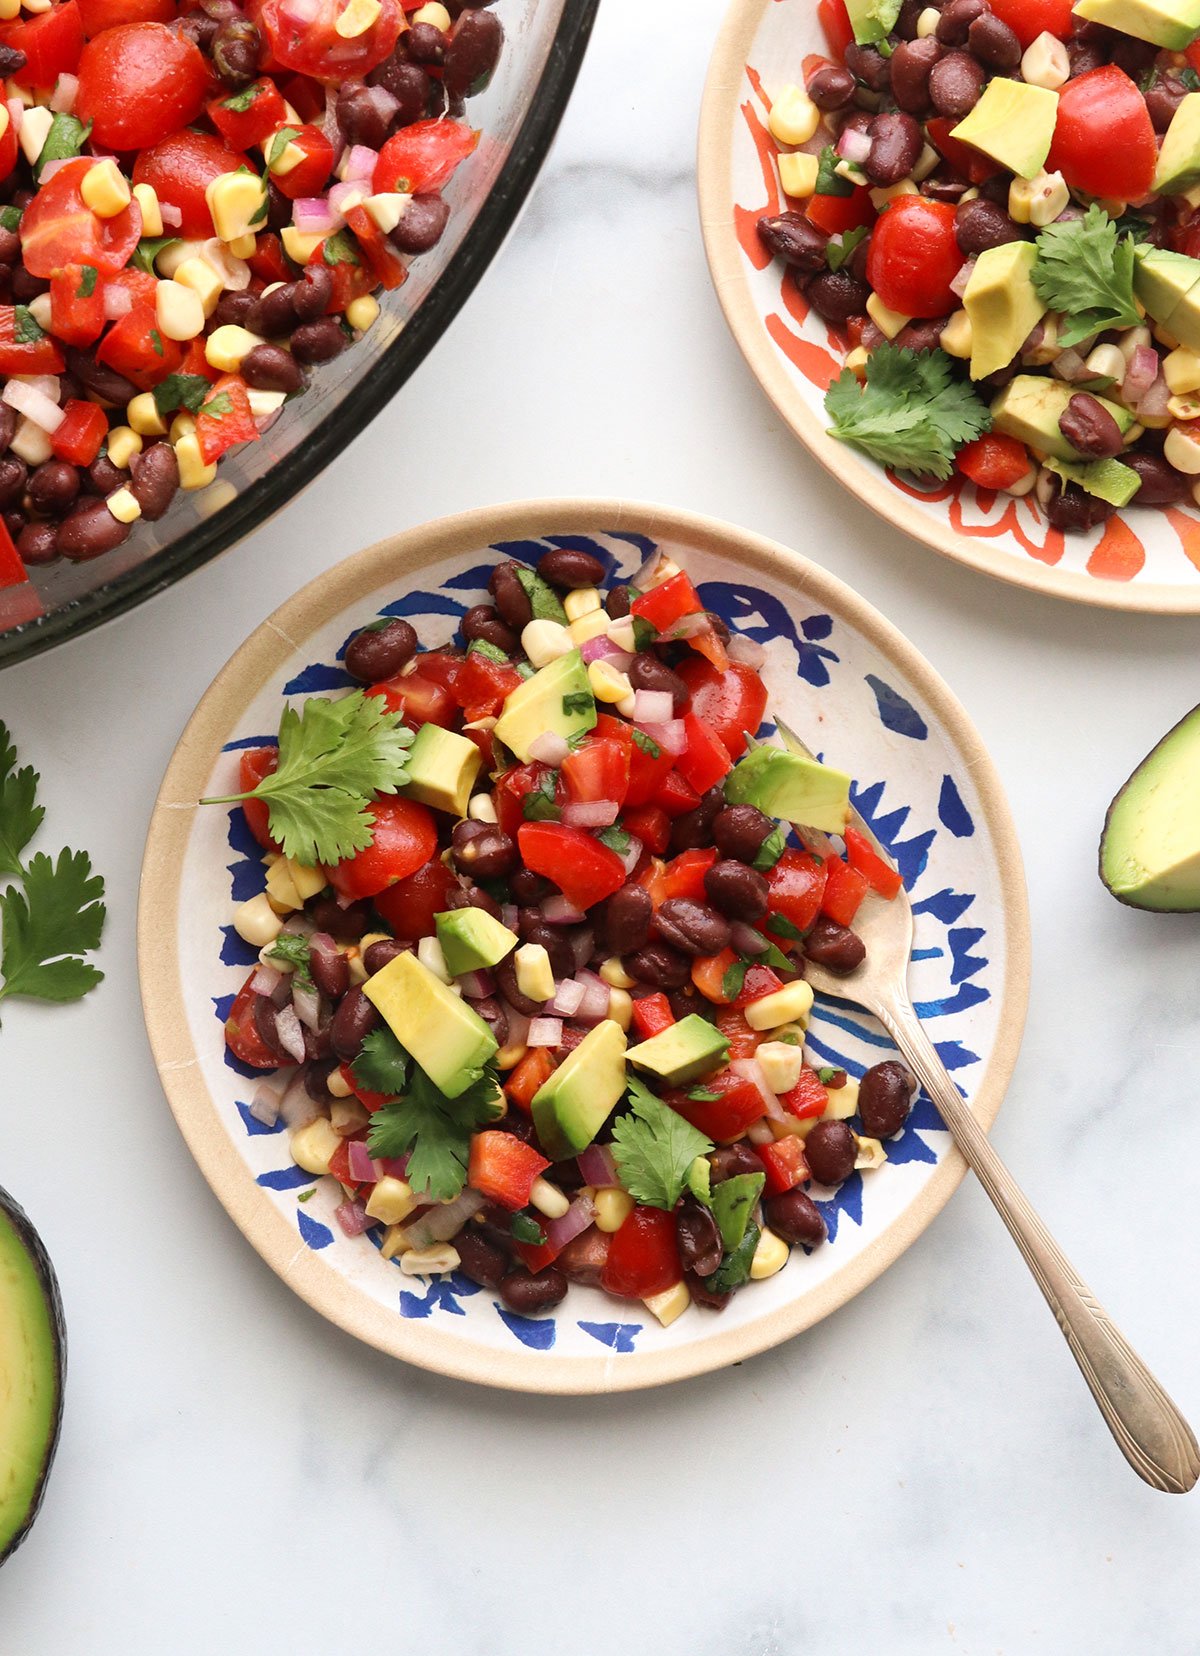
<point x="846" y="681"/>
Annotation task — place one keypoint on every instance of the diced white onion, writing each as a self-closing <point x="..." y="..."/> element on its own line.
<point x="544" y="1032"/>
<point x="549" y="748"/>
<point x="27" y="399"/>
<point x="63" y="99"/>
<point x="653" y="706"/>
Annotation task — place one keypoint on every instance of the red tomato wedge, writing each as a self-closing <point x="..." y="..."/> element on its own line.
<point x="729" y="703"/>
<point x="254" y="765"/>
<point x="403" y="839"/>
<point x="302" y="35"/>
<point x="915" y="256"/>
<point x="584" y="870"/>
<point x="98" y="15"/>
<point x="643" y="1258"/>
<point x="58" y="228"/>
<point x="138" y="84"/>
<point x="409" y="906"/>
<point x="1104" y="143"/>
<point x="420" y="158"/>
<point x="241" y="1036"/>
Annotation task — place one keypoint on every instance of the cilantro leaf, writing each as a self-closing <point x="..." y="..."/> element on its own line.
<point x="339" y="249"/>
<point x="434" y="1131"/>
<point x="26" y="328"/>
<point x="617" y="839"/>
<point x="543" y="600"/>
<point x="334" y="758"/>
<point x="647" y="743"/>
<point x="49" y="926"/>
<point x="826" y="1074"/>
<point x="782" y="926"/>
<point x="489" y="652"/>
<point x="839" y="248"/>
<point x="181" y="391"/>
<point x="654" y="1149"/>
<point x="280" y="142"/>
<point x="539" y="804"/>
<point x="382" y="1064"/>
<point x="578" y="701"/>
<point x="1085" y="270"/>
<point x="216" y="408"/>
<point x="241" y="101"/>
<point x="644" y="632"/>
<point x="525" y="1228"/>
<point x="735" y="977"/>
<point x="912" y="415"/>
<point x="1190" y="79"/>
<point x="20" y="814"/>
<point x="293" y="950"/>
<point x="829" y="181"/>
<point x="10" y="217"/>
<point x="66" y="138"/>
<point x="773" y="956"/>
<point x="87" y="282"/>
<point x="770" y="851"/>
<point x="145" y="253"/>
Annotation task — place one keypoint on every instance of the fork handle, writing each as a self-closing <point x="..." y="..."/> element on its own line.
<point x="1150" y="1431"/>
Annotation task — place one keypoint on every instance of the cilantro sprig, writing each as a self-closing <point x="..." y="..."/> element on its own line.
<point x="1084" y="269"/>
<point x="335" y="757"/>
<point x="912" y="415"/>
<point x="382" y="1063"/>
<point x="433" y="1131"/>
<point x="654" y="1148"/>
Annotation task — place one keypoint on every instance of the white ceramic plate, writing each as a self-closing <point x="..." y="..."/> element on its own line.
<point x="1144" y="559"/>
<point x="842" y="677"/>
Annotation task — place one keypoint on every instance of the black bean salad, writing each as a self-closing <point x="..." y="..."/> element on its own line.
<point x="532" y="941"/>
<point x="997" y="207"/>
<point x="200" y="201"/>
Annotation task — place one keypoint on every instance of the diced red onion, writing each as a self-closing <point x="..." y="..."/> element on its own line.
<point x="264" y="1106"/>
<point x="117" y="302"/>
<point x="508" y="915"/>
<point x="1069" y="365"/>
<point x="959" y="284"/>
<point x="265" y="980"/>
<point x="690" y="625"/>
<point x="234" y="272"/>
<point x="629" y="860"/>
<point x="577" y="1218"/>
<point x="518" y="1025"/>
<point x="751" y="1070"/>
<point x="35" y="404"/>
<point x="360" y="161"/>
<point x="322" y="946"/>
<point x="362" y="1168"/>
<point x="441" y="1222"/>
<point x="544" y="1032"/>
<point x="307" y="1004"/>
<point x="391" y="1167"/>
<point x="171" y="215"/>
<point x="854" y="146"/>
<point x="1140" y="374"/>
<point x="51" y="167"/>
<point x="353" y="1218"/>
<point x="1153" y="405"/>
<point x="590" y="813"/>
<point x="557" y="911"/>
<point x="602" y="648"/>
<point x="746" y="940"/>
<point x="296" y="1107"/>
<point x="345" y="194"/>
<point x="290" y="1033"/>
<point x="63" y="99"/>
<point x="593" y="1008"/>
<point x="671" y="737"/>
<point x="476" y="985"/>
<point x="597" y="1167"/>
<point x="645" y="575"/>
<point x="583" y="946"/>
<point x="1069" y="213"/>
<point x="567" y="998"/>
<point x="653" y="706"/>
<point x="549" y="748"/>
<point x="315" y="216"/>
<point x="16" y="111"/>
<point x="385" y="104"/>
<point x="747" y="652"/>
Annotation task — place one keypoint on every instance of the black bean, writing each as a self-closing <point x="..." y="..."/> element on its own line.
<point x="691" y="927"/>
<point x="584" y="1257"/>
<point x="1090" y="428"/>
<point x="1083" y="56"/>
<point x="353" y="1021"/>
<point x="885" y="1096"/>
<point x="318" y="341"/>
<point x="236" y="48"/>
<point x="831" y="86"/>
<point x="955" y="22"/>
<point x="530" y="1294"/>
<point x="154" y="479"/>
<point x="697" y="1237"/>
<point x="361" y="119"/>
<point x="346" y="924"/>
<point x="234" y="308"/>
<point x="713" y="1299"/>
<point x="1133" y="56"/>
<point x="660" y="966"/>
<point x="981" y="224"/>
<point x="506" y="978"/>
<point x="569" y="568"/>
<point x="869" y="67"/>
<point x="408" y="84"/>
<point x="426" y="44"/>
<point x="909" y="17"/>
<point x="10" y="247"/>
<point x="279" y="208"/>
<point x="90" y="530"/>
<point x="271" y="368"/>
<point x="617" y="603"/>
<point x="955" y="85"/>
<point x="835" y="947"/>
<point x="316" y="1079"/>
<point x="836" y="296"/>
<point x="649" y="672"/>
<point x="739" y="831"/>
<point x="796" y="1218"/>
<point x="942" y="185"/>
<point x="739" y="892"/>
<point x="103" y="476"/>
<point x="896" y="142"/>
<point x="528" y="887"/>
<point x="262" y="1014"/>
<point x="830" y="1151"/>
<point x="480" y="1259"/>
<point x="329" y="967"/>
<point x="425" y="218"/>
<point x="687" y="1000"/>
<point x="922" y="335"/>
<point x="481" y="621"/>
<point x="312" y="292"/>
<point x="378" y="653"/>
<point x="103" y="382"/>
<point x="26" y="286"/>
<point x="911" y="62"/>
<point x="483" y="850"/>
<point x="510" y="596"/>
<point x="273" y="313"/>
<point x="53" y="487"/>
<point x="994" y="43"/>
<point x="377" y="955"/>
<point x="12" y="61"/>
<point x="731" y="1159"/>
<point x="8" y="425"/>
<point x="37" y="543"/>
<point x="795" y="239"/>
<point x="626" y="918"/>
<point x="1074" y="511"/>
<point x="1162" y="485"/>
<point x="473" y="52"/>
<point x="1162" y="100"/>
<point x="693" y="829"/>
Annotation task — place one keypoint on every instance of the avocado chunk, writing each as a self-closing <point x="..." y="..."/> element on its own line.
<point x="445" y="1036"/>
<point x="442" y="767"/>
<point x="790" y="786"/>
<point x="472" y="940"/>
<point x="682" y="1053"/>
<point x="557" y="700"/>
<point x="1170" y="23"/>
<point x="1013" y="124"/>
<point x="1150" y="847"/>
<point x="732" y="1204"/>
<point x="1003" y="305"/>
<point x="1106" y="479"/>
<point x="872" y="20"/>
<point x="1163" y="281"/>
<point x="1030" y="407"/>
<point x="32" y="1364"/>
<point x="1179" y="159"/>
<point x="570" y="1108"/>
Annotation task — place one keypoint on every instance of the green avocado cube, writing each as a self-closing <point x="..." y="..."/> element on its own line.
<point x="688" y="1049"/>
<point x="790" y="786"/>
<point x="1179" y="159"/>
<point x="446" y="1037"/>
<point x="557" y="700"/>
<point x="1170" y="23"/>
<point x="571" y="1107"/>
<point x="1162" y="280"/>
<point x="1030" y="407"/>
<point x="1106" y="479"/>
<point x="1002" y="304"/>
<point x="442" y="767"/>
<point x="1013" y="123"/>
<point x="472" y="940"/>
<point x="732" y="1204"/>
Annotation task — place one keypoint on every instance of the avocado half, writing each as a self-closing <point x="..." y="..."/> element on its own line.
<point x="33" y="1354"/>
<point x="1150" y="846"/>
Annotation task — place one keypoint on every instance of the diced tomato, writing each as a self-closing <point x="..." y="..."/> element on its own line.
<point x="650" y="825"/>
<point x="8" y="150"/>
<point x="511" y="788"/>
<point x="994" y="461"/>
<point x="98" y="15"/>
<point x="649" y="766"/>
<point x="797" y="884"/>
<point x="503" y="1168"/>
<point x="403" y="839"/>
<point x="785" y="1163"/>
<point x="481" y="685"/>
<point x="382" y="258"/>
<point x="964" y="158"/>
<point x="808" y="1098"/>
<point x="667" y="603"/>
<point x="84" y="428"/>
<point x="51" y="41"/>
<point x="20" y="355"/>
<point x="837" y="27"/>
<point x="245" y="118"/>
<point x="306" y="39"/>
<point x="1030" y="18"/>
<point x="738" y="1103"/>
<point x="643" y="1258"/>
<point x="598" y="770"/>
<point x="422" y="157"/>
<point x="139" y="83"/>
<point x="1104" y="143"/>
<point x="370" y="1100"/>
<point x="743" y="1041"/>
<point x="224" y="418"/>
<point x="684" y="875"/>
<point x="408" y="906"/>
<point x="308" y="176"/>
<point x="59" y="228"/>
<point x="706" y="759"/>
<point x="758" y="982"/>
<point x="708" y="974"/>
<point x="420" y="699"/>
<point x="730" y="703"/>
<point x="339" y="1166"/>
<point x="268" y="261"/>
<point x="915" y="256"/>
<point x="12" y="569"/>
<point x="837" y="214"/>
<point x="242" y="1038"/>
<point x="255" y="763"/>
<point x="194" y="360"/>
<point x="881" y="877"/>
<point x="845" y="889"/>
<point x="706" y="643"/>
<point x="652" y="1014"/>
<point x="180" y="168"/>
<point x="351" y="278"/>
<point x="584" y="870"/>
<point x="675" y="795"/>
<point x="76" y="305"/>
<point x="136" y="347"/>
<point x="528" y="1077"/>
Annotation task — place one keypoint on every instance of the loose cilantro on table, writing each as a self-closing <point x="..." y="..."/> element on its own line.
<point x="335" y="757"/>
<point x="1084" y="269"/>
<point x="292" y="950"/>
<point x="434" y="1131"/>
<point x="654" y="1148"/>
<point x="382" y="1063"/>
<point x="912" y="415"/>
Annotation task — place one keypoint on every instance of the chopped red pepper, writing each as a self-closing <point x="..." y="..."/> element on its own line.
<point x="503" y="1168"/>
<point x="797" y="884"/>
<point x="675" y="795"/>
<point x="650" y="825"/>
<point x="535" y="1068"/>
<point x="684" y="875"/>
<point x="584" y="870"/>
<point x="421" y="158"/>
<point x="807" y="1098"/>
<point x="785" y="1163"/>
<point x="135" y="347"/>
<point x="723" y="1117"/>
<point x="385" y="263"/>
<point x="880" y="875"/>
<point x="370" y="1100"/>
<point x="12" y="570"/>
<point x="667" y="603"/>
<point x="83" y="429"/>
<point x="845" y="889"/>
<point x="224" y="419"/>
<point x="652" y="1014"/>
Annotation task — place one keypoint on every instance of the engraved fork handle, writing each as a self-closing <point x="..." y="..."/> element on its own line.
<point x="1150" y="1431"/>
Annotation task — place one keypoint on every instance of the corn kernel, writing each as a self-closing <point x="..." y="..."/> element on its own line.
<point x="429" y="953"/>
<point x="592" y="625"/>
<point x="263" y="403"/>
<point x="178" y="310"/>
<point x="168" y="260"/>
<point x="670" y="1304"/>
<point x="281" y="887"/>
<point x="435" y="1261"/>
<point x="1047" y="347"/>
<point x="357" y="17"/>
<point x="1107" y="362"/>
<point x="193" y="473"/>
<point x="770" y="1255"/>
<point x="433" y="13"/>
<point x="123" y="444"/>
<point x="237" y="202"/>
<point x="1048" y="201"/>
<point x="41" y="309"/>
<point x="798" y="174"/>
<point x="793" y="1001"/>
<point x="856" y="361"/>
<point x="394" y="1242"/>
<point x="620" y="1007"/>
<point x="843" y="1102"/>
<point x="928" y="161"/>
<point x="622" y="635"/>
<point x="256" y="922"/>
<point x="869" y="1154"/>
<point x="392" y="1200"/>
<point x="535" y="979"/>
<point x="106" y="189"/>
<point x="927" y="22"/>
<point x="337" y="1084"/>
<point x="781" y="1064"/>
<point x="147" y="199"/>
<point x="544" y="641"/>
<point x="1182" y="449"/>
<point x="9" y="9"/>
<point x="347" y="1116"/>
<point x="607" y="684"/>
<point x="956" y="338"/>
<point x="362" y="312"/>
<point x="510" y="1056"/>
<point x="387" y="208"/>
<point x="30" y="443"/>
<point x="547" y="1198"/>
<point x="35" y="129"/>
<point x="1183" y="409"/>
<point x="283" y="161"/>
<point x="614" y="974"/>
<point x="794" y="117"/>
<point x="1181" y="370"/>
<point x="1046" y="63"/>
<point x="142" y="414"/>
<point x="613" y="1207"/>
<point x="583" y="601"/>
<point x="313" y="1145"/>
<point x="227" y="346"/>
<point x="889" y="322"/>
<point x="183" y="424"/>
<point x="881" y="197"/>
<point x="124" y="505"/>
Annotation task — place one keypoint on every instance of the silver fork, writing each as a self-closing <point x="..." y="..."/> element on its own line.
<point x="1150" y="1431"/>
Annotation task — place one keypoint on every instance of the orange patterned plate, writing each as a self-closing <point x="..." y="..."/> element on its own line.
<point x="1145" y="559"/>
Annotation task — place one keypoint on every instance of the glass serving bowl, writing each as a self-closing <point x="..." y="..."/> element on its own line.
<point x="518" y="115"/>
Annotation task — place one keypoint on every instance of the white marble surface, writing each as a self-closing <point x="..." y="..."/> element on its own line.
<point x="924" y="1471"/>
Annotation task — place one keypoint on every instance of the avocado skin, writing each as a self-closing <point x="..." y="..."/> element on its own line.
<point x="1189" y="725"/>
<point x="31" y="1242"/>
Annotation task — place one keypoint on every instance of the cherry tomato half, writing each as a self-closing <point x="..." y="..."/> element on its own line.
<point x="729" y="703"/>
<point x="179" y="170"/>
<point x="404" y="838"/>
<point x="59" y="228"/>
<point x="98" y="15"/>
<point x="254" y="765"/>
<point x="915" y="256"/>
<point x="410" y="905"/>
<point x="138" y="84"/>
<point x="305" y="37"/>
<point x="241" y="1036"/>
<point x="1104" y="142"/>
